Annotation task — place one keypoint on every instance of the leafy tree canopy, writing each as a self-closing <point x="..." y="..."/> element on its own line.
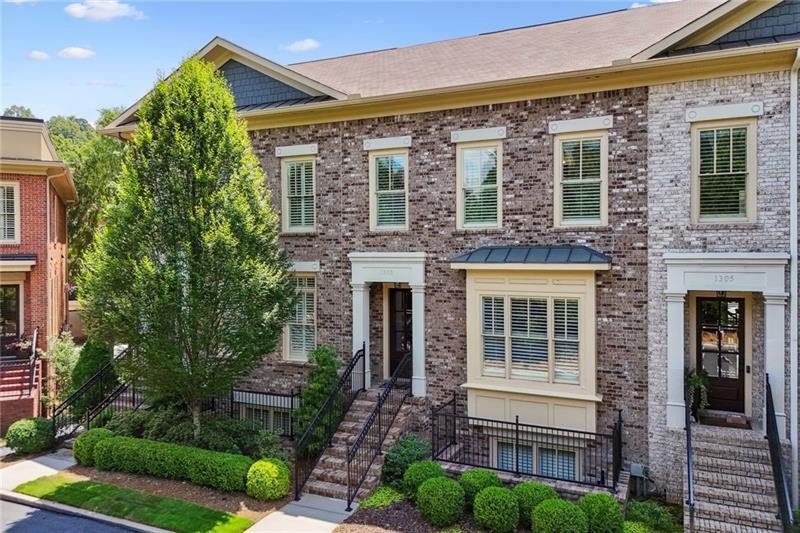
<point x="19" y="111"/>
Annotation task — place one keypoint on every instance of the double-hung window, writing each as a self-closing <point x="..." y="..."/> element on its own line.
<point x="299" y="198"/>
<point x="388" y="176"/>
<point x="9" y="213"/>
<point x="723" y="171"/>
<point x="479" y="170"/>
<point x="581" y="189"/>
<point x="301" y="335"/>
<point x="549" y="462"/>
<point x="531" y="338"/>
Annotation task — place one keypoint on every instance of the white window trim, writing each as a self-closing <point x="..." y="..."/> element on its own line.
<point x="21" y="284"/>
<point x="725" y="112"/>
<point x="287" y="228"/>
<point x="752" y="169"/>
<point x="373" y="191"/>
<point x="557" y="189"/>
<point x="17" y="208"/>
<point x="287" y="341"/>
<point x="460" y="147"/>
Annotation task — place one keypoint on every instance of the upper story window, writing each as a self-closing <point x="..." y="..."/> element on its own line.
<point x="9" y="213"/>
<point x="479" y="173"/>
<point x="581" y="188"/>
<point x="388" y="178"/>
<point x="301" y="334"/>
<point x="723" y="171"/>
<point x="299" y="199"/>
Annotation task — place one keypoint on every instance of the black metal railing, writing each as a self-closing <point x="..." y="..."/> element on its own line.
<point x="273" y="411"/>
<point x="367" y="444"/>
<point x="687" y="398"/>
<point x="33" y="359"/>
<point x="525" y="449"/>
<point x="319" y="433"/>
<point x="776" y="458"/>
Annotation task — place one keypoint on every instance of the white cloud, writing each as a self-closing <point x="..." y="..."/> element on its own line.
<point x="75" y="52"/>
<point x="18" y="2"/>
<point x="650" y="3"/>
<point x="304" y="45"/>
<point x="38" y="55"/>
<point x="102" y="10"/>
<point x="103" y="83"/>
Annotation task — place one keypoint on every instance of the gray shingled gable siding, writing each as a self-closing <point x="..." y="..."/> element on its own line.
<point x="252" y="87"/>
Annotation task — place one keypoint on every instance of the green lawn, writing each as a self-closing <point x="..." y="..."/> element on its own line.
<point x="167" y="513"/>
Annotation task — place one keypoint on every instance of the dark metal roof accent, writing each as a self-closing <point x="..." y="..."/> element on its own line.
<point x="560" y="254"/>
<point x="22" y="119"/>
<point x="17" y="257"/>
<point x="284" y="103"/>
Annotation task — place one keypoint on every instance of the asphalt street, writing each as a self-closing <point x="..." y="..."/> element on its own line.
<point x="16" y="518"/>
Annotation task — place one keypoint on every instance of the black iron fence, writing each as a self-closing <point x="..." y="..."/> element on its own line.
<point x="776" y="458"/>
<point x="526" y="449"/>
<point x="687" y="398"/>
<point x="273" y="411"/>
<point x="367" y="445"/>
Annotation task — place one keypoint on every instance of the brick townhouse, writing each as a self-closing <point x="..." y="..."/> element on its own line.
<point x="554" y="223"/>
<point x="35" y="188"/>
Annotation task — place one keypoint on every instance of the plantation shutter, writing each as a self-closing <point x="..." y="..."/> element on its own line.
<point x="529" y="343"/>
<point x="723" y="172"/>
<point x="566" y="340"/>
<point x="581" y="179"/>
<point x="557" y="463"/>
<point x="390" y="190"/>
<point x="8" y="213"/>
<point x="300" y="187"/>
<point x="302" y="333"/>
<point x="480" y="185"/>
<point x="494" y="341"/>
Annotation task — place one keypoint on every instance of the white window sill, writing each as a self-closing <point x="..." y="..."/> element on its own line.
<point x="534" y="391"/>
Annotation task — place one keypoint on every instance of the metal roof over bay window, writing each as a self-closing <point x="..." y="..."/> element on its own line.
<point x="566" y="257"/>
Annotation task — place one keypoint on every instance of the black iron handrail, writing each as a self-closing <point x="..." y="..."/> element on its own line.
<point x="367" y="444"/>
<point x="776" y="458"/>
<point x="319" y="433"/>
<point x="32" y="359"/>
<point x="689" y="456"/>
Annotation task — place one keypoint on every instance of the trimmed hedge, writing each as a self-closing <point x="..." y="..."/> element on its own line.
<point x="474" y="481"/>
<point x="529" y="495"/>
<point x="602" y="511"/>
<point x="440" y="500"/>
<point x="420" y="472"/>
<point x="559" y="516"/>
<point x="83" y="447"/>
<point x="30" y="435"/>
<point x="496" y="509"/>
<point x="222" y="471"/>
<point x="268" y="479"/>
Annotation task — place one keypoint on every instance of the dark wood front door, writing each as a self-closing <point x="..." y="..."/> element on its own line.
<point x="720" y="351"/>
<point x="400" y="333"/>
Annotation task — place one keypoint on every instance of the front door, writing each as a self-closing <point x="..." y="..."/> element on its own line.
<point x="400" y="333"/>
<point x="720" y="351"/>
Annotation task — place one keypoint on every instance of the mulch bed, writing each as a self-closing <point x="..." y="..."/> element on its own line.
<point x="402" y="517"/>
<point x="234" y="503"/>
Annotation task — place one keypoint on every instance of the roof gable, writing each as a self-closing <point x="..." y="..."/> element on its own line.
<point x="251" y="87"/>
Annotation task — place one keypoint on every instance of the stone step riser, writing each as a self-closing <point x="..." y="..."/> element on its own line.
<point x="749" y="455"/>
<point x="732" y="482"/>
<point x="752" y="519"/>
<point x="752" y="470"/>
<point x="746" y="500"/>
<point x="714" y="526"/>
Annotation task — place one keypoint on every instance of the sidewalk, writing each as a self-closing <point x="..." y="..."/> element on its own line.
<point x="44" y="465"/>
<point x="312" y="514"/>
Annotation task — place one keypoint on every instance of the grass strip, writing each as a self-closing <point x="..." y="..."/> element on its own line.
<point x="121" y="502"/>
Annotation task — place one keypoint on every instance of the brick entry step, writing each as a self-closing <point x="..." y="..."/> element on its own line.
<point x="329" y="477"/>
<point x="733" y="485"/>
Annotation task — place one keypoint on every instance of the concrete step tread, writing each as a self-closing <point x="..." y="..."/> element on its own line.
<point x="759" y="501"/>
<point x="705" y="525"/>
<point x="734" y="514"/>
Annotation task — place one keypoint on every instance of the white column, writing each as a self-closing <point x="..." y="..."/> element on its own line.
<point x="775" y="353"/>
<point x="361" y="329"/>
<point x="676" y="414"/>
<point x="418" y="380"/>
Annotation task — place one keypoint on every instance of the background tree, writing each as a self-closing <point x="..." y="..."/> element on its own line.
<point x="187" y="269"/>
<point x="19" y="111"/>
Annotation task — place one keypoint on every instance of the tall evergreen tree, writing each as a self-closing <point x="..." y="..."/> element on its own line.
<point x="187" y="270"/>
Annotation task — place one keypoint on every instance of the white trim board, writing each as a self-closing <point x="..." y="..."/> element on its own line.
<point x="387" y="143"/>
<point x="480" y="134"/>
<point x="581" y="124"/>
<point x="725" y="111"/>
<point x="296" y="150"/>
<point x="305" y="266"/>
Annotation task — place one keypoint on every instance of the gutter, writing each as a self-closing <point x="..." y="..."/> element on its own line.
<point x="793" y="272"/>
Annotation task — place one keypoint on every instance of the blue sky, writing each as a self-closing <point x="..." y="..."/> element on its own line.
<point x="72" y="58"/>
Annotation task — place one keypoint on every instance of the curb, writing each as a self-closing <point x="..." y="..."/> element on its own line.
<point x="31" y="501"/>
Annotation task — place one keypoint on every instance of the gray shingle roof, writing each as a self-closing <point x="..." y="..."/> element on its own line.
<point x="533" y="254"/>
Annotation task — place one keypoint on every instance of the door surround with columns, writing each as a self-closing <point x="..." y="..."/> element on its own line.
<point x="390" y="267"/>
<point x="757" y="272"/>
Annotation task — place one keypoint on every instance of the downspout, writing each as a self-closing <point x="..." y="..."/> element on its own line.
<point x="793" y="291"/>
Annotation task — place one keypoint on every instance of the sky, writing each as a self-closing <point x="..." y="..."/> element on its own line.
<point x="73" y="58"/>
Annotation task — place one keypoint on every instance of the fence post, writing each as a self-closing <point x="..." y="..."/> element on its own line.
<point x="454" y="417"/>
<point x="230" y="404"/>
<point x="434" y="434"/>
<point x="364" y="366"/>
<point x="516" y="444"/>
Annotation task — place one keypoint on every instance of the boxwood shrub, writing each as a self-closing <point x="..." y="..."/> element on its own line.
<point x="496" y="509"/>
<point x="474" y="481"/>
<point x="649" y="513"/>
<point x="440" y="500"/>
<point x="529" y="495"/>
<point x="558" y="516"/>
<point x="409" y="449"/>
<point x="221" y="471"/>
<point x="83" y="447"/>
<point x="268" y="479"/>
<point x="419" y="472"/>
<point x="30" y="435"/>
<point x="602" y="511"/>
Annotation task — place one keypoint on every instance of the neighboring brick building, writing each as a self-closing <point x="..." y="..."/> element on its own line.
<point x="35" y="187"/>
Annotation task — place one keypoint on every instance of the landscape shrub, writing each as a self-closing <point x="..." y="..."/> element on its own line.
<point x="383" y="497"/>
<point x="496" y="509"/>
<point x="93" y="356"/>
<point x="440" y="500"/>
<point x="635" y="527"/>
<point x="649" y="513"/>
<point x="602" y="511"/>
<point x="129" y="423"/>
<point x="83" y="447"/>
<point x="268" y="479"/>
<point x="221" y="471"/>
<point x="558" y="516"/>
<point x="409" y="449"/>
<point x="419" y="472"/>
<point x="474" y="481"/>
<point x="322" y="377"/>
<point x="30" y="435"/>
<point x="529" y="495"/>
